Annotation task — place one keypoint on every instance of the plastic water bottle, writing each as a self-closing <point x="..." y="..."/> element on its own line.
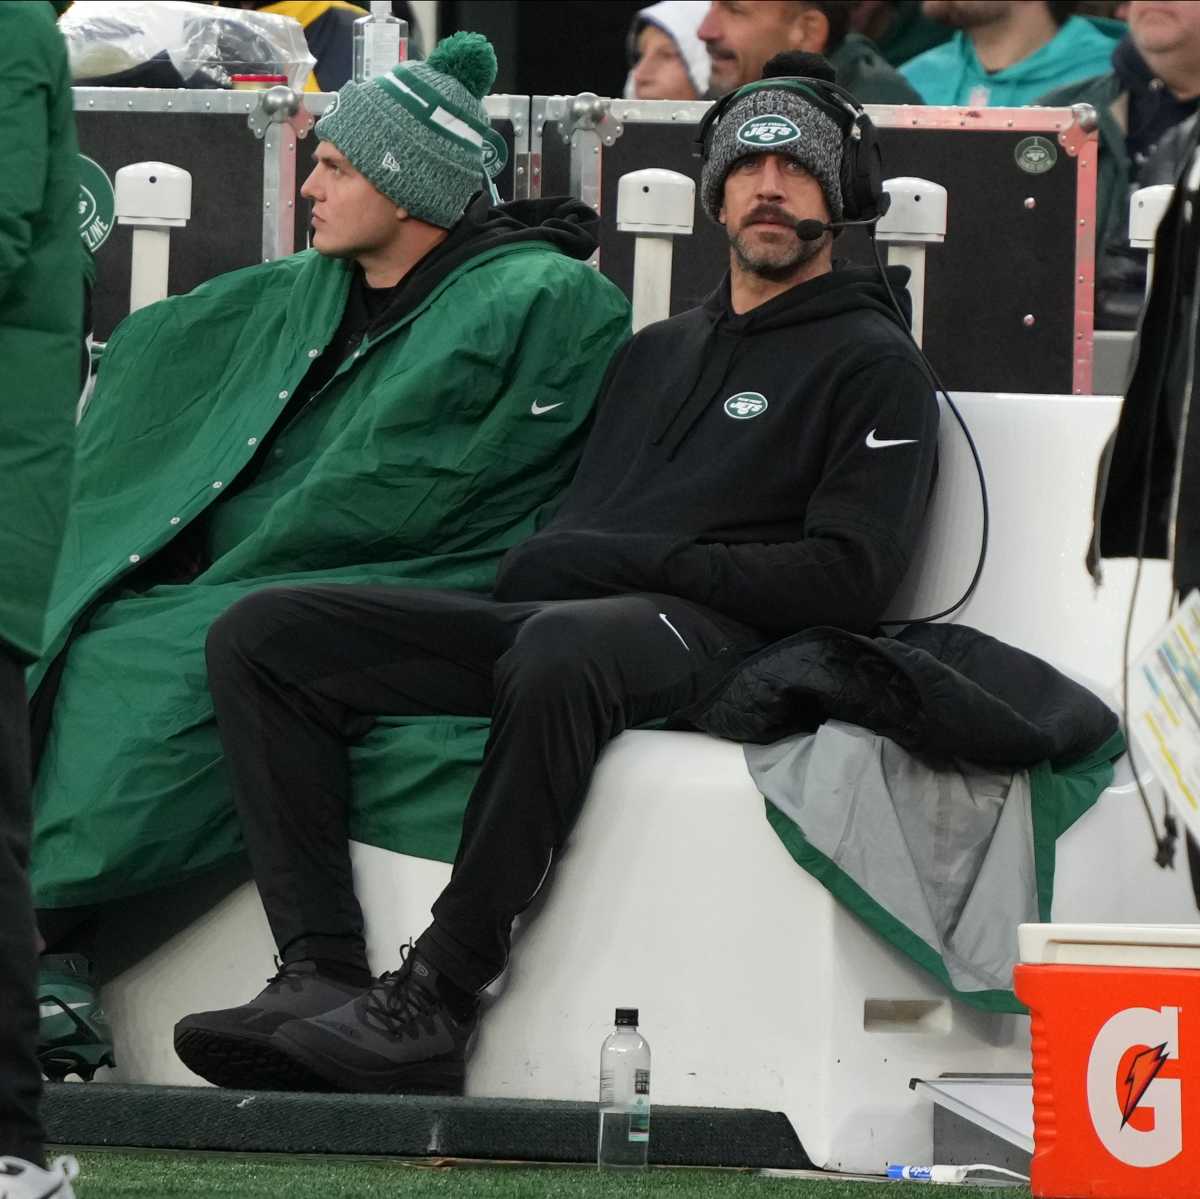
<point x="624" y="1096"/>
<point x="380" y="41"/>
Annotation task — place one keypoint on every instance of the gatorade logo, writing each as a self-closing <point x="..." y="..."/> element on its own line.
<point x="765" y="131"/>
<point x="1136" y="1111"/>
<point x="97" y="203"/>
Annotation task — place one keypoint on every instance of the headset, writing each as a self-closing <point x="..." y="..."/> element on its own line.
<point x="864" y="202"/>
<point x="863" y="199"/>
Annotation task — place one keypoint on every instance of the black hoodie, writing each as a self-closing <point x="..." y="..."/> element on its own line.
<point x="773" y="466"/>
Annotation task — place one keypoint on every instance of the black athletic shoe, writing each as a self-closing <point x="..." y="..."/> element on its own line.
<point x="233" y="1047"/>
<point x="400" y="1036"/>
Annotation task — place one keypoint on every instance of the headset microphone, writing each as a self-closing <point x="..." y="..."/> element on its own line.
<point x="812" y="230"/>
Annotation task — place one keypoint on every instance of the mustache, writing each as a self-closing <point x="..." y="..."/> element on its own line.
<point x="768" y="212"/>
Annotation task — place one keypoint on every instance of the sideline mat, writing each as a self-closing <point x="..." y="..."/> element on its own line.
<point x="207" y="1118"/>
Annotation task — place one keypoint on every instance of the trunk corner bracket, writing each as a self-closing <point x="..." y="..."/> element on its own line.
<point x="279" y="105"/>
<point x="587" y="112"/>
<point x="1081" y="130"/>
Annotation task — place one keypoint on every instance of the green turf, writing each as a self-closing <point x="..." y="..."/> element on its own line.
<point x="199" y="1176"/>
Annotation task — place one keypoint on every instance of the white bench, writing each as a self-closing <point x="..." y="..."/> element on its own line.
<point x="755" y="988"/>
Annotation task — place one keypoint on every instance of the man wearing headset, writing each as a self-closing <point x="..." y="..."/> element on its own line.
<point x="759" y="465"/>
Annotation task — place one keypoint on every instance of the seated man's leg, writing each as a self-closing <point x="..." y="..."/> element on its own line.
<point x="20" y="1078"/>
<point x="576" y="675"/>
<point x="296" y="676"/>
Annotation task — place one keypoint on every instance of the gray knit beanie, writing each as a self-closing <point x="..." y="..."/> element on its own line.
<point x="420" y="133"/>
<point x="778" y="121"/>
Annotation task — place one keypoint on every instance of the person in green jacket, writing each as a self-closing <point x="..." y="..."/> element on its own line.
<point x="41" y="314"/>
<point x="402" y="402"/>
<point x="1153" y="87"/>
<point x="1006" y="53"/>
<point x="741" y="35"/>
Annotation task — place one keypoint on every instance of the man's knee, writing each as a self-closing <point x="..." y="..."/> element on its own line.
<point x="245" y="625"/>
<point x="560" y="649"/>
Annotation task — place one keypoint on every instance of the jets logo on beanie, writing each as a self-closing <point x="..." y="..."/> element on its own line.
<point x="419" y="132"/>
<point x="777" y="120"/>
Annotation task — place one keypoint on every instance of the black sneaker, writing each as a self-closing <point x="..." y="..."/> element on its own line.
<point x="400" y="1036"/>
<point x="233" y="1047"/>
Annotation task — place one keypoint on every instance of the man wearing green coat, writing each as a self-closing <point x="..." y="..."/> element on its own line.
<point x="41" y="311"/>
<point x="401" y="403"/>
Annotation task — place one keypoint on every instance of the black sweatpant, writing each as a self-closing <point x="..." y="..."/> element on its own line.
<point x="299" y="674"/>
<point x="20" y="1077"/>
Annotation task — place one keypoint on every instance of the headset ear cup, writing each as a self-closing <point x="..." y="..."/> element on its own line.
<point x="862" y="174"/>
<point x="849" y="179"/>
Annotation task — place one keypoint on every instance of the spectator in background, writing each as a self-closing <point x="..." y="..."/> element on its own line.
<point x="1009" y="52"/>
<point x="899" y="29"/>
<point x="670" y="62"/>
<point x="41" y="306"/>
<point x="328" y="26"/>
<point x="1150" y="91"/>
<point x="741" y="35"/>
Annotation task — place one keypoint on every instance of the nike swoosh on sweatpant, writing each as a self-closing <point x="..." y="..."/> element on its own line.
<point x="874" y="443"/>
<point x="537" y="409"/>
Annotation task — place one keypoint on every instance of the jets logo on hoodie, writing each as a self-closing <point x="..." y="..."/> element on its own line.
<point x="746" y="405"/>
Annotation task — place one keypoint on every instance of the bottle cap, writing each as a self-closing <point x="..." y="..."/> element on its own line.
<point x="627" y="1015"/>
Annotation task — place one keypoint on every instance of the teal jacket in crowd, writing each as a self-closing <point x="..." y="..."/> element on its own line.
<point x="952" y="74"/>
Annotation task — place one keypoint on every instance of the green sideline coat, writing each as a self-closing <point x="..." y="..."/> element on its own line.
<point x="420" y="462"/>
<point x="41" y="314"/>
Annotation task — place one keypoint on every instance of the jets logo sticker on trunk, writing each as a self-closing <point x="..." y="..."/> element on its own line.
<point x="97" y="203"/>
<point x="1035" y="155"/>
<point x="745" y="405"/>
<point x="766" y="131"/>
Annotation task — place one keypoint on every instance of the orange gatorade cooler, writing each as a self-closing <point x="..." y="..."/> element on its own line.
<point x="1116" y="1058"/>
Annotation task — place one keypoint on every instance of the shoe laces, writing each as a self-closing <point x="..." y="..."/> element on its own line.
<point x="398" y="1003"/>
<point x="285" y="972"/>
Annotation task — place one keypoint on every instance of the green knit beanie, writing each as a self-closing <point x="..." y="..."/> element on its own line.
<point x="419" y="133"/>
